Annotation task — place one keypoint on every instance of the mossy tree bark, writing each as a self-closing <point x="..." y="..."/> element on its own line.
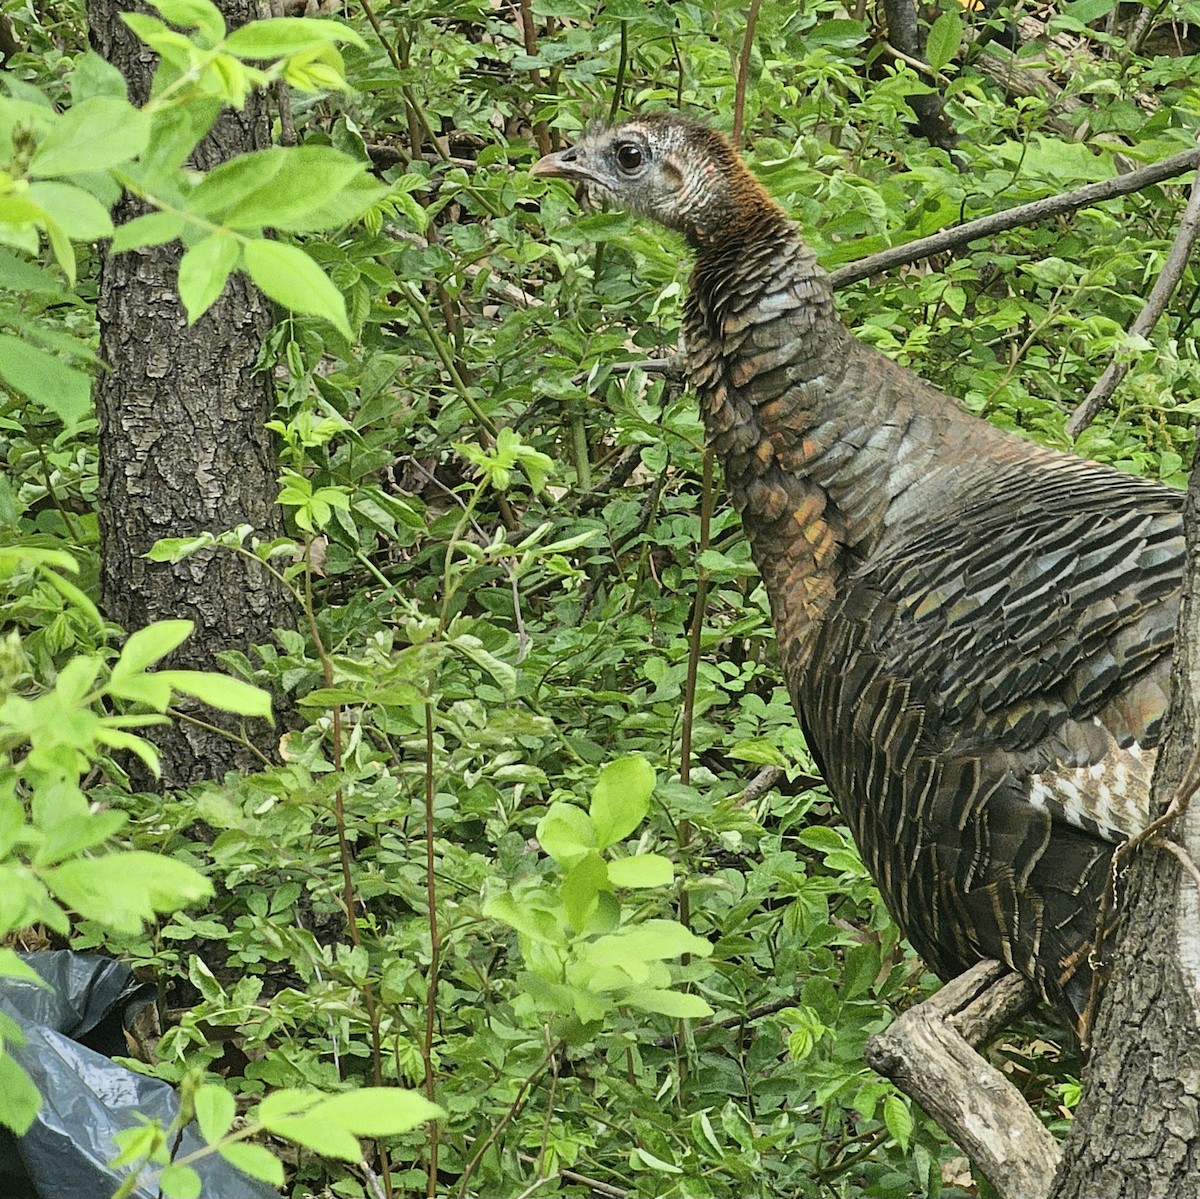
<point x="183" y="448"/>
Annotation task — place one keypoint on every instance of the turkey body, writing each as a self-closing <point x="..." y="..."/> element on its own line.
<point x="975" y="631"/>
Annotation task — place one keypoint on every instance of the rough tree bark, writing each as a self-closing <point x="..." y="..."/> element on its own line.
<point x="1137" y="1129"/>
<point x="183" y="447"/>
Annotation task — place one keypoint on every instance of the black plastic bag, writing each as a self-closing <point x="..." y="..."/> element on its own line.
<point x="70" y="1030"/>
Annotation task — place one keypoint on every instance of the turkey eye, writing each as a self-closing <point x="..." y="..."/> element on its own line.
<point x="629" y="156"/>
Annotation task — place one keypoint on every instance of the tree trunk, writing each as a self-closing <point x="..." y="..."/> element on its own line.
<point x="183" y="448"/>
<point x="1137" y="1128"/>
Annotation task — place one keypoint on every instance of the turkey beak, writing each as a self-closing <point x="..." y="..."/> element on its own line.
<point x="566" y="164"/>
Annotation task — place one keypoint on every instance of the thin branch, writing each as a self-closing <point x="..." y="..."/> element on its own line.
<point x="1156" y="303"/>
<point x="1023" y="214"/>
<point x="435" y="949"/>
<point x="739" y="85"/>
<point x="759" y="785"/>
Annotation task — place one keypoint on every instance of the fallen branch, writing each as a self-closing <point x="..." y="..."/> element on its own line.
<point x="1023" y="214"/>
<point x="928" y="1053"/>
<point x="1156" y="303"/>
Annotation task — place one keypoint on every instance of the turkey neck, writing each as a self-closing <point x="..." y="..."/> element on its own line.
<point x="826" y="444"/>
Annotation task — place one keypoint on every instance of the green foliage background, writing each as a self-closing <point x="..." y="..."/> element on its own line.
<point x="500" y="540"/>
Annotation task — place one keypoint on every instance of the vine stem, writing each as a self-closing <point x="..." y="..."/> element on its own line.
<point x="349" y="899"/>
<point x="699" y="607"/>
<point x="739" y="85"/>
<point x="435" y="949"/>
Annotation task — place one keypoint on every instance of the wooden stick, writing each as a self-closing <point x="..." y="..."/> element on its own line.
<point x="1023" y="214"/>
<point x="928" y="1054"/>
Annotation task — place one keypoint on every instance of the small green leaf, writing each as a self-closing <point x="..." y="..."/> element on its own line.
<point x="566" y="833"/>
<point x="153" y="229"/>
<point x="943" y="41"/>
<point x="644" y="870"/>
<point x="19" y="1100"/>
<point x="94" y="135"/>
<point x="377" y="1111"/>
<point x="643" y="1157"/>
<point x="291" y="278"/>
<point x="203" y="271"/>
<point x="220" y="691"/>
<point x="61" y="389"/>
<point x="581" y="889"/>
<point x="179" y="1182"/>
<point x="255" y="1161"/>
<point x="176" y="549"/>
<point x="148" y="645"/>
<point x="676" y="1004"/>
<point x="898" y="1120"/>
<point x="193" y="14"/>
<point x="215" y="1110"/>
<point x="621" y="799"/>
<point x="284" y="36"/>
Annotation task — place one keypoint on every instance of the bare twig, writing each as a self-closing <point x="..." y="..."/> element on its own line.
<point x="928" y="1054"/>
<point x="760" y="784"/>
<point x="1156" y="303"/>
<point x="739" y="84"/>
<point x="1023" y="214"/>
<point x="922" y="68"/>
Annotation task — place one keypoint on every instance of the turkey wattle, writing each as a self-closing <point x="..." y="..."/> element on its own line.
<point x="976" y="631"/>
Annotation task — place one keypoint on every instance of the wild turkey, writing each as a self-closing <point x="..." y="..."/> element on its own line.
<point x="976" y="631"/>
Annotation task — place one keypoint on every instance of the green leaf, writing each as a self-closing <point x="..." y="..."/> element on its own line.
<point x="203" y="271"/>
<point x="316" y="1134"/>
<point x="18" y="275"/>
<point x="61" y="389"/>
<point x="123" y="891"/>
<point x="293" y="190"/>
<point x="644" y="870"/>
<point x="176" y="549"/>
<point x="640" y="1156"/>
<point x="255" y="1161"/>
<point x="220" y="691"/>
<point x="94" y="135"/>
<point x="821" y="838"/>
<point x="96" y="76"/>
<point x="77" y="212"/>
<point x="193" y="14"/>
<point x="215" y="1110"/>
<point x="652" y="940"/>
<point x="292" y="279"/>
<point x="377" y="1111"/>
<point x="179" y="1182"/>
<point x="148" y="645"/>
<point x="677" y="1004"/>
<point x="898" y="1120"/>
<point x="283" y="36"/>
<point x="13" y="966"/>
<point x="153" y="229"/>
<point x="566" y="833"/>
<point x="621" y="799"/>
<point x="861" y="970"/>
<point x="19" y="1100"/>
<point x="581" y="889"/>
<point x="530" y="922"/>
<point x="945" y="36"/>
